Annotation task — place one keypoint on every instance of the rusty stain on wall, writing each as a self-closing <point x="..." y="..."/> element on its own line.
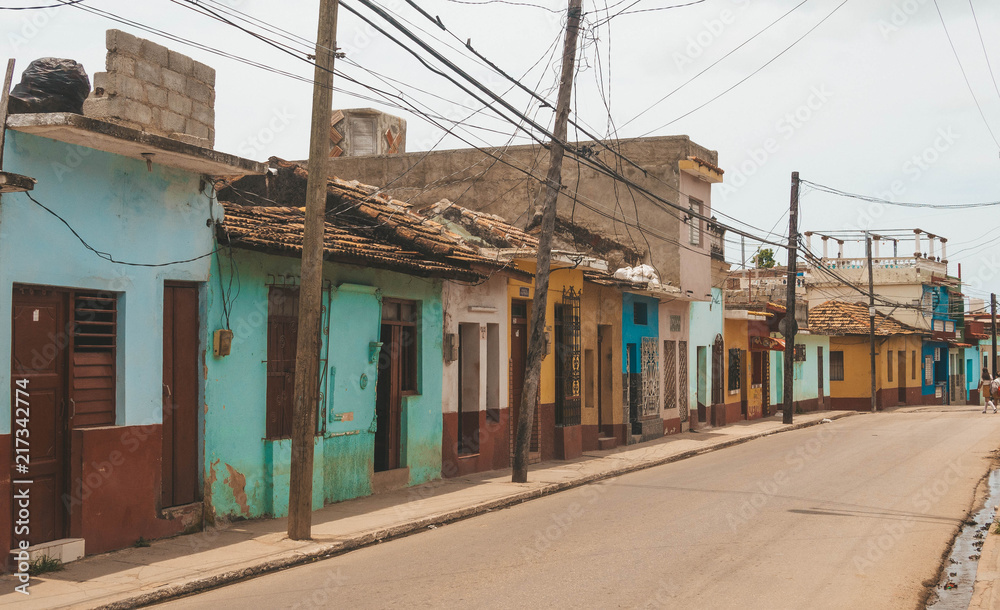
<point x="237" y="482"/>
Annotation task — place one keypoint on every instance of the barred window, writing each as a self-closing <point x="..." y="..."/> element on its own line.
<point x="734" y="369"/>
<point x="836" y="366"/>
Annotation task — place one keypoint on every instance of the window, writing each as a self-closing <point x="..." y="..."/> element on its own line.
<point x="282" y="334"/>
<point x="949" y="326"/>
<point x="888" y="365"/>
<point x="405" y="315"/>
<point x="734" y="369"/>
<point x="836" y="366"/>
<point x="361" y="136"/>
<point x="675" y="324"/>
<point x="939" y="325"/>
<point x="95" y="330"/>
<point x="695" y="223"/>
<point x="928" y="371"/>
<point x="800" y="352"/>
<point x="757" y="368"/>
<point x="639" y="316"/>
<point x="733" y="283"/>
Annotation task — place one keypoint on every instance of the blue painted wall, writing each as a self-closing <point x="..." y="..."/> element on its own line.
<point x="940" y="368"/>
<point x="247" y="474"/>
<point x="633" y="333"/>
<point x="707" y="321"/>
<point x="120" y="207"/>
<point x="805" y="375"/>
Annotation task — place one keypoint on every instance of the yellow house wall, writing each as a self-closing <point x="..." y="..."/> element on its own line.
<point x="559" y="279"/>
<point x="735" y="337"/>
<point x="602" y="305"/>
<point x="857" y="369"/>
<point x="905" y="343"/>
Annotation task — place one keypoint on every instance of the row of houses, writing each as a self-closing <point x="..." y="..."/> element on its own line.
<point x="153" y="294"/>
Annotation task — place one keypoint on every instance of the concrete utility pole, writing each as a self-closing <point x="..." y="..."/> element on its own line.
<point x="790" y="325"/>
<point x="536" y="332"/>
<point x="993" y="312"/>
<point x="871" y="313"/>
<point x="304" y="409"/>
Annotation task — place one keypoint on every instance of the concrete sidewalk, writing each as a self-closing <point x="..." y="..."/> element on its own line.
<point x="229" y="552"/>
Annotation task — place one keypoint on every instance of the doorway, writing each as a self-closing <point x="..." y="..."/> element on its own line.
<point x="397" y="378"/>
<point x="38" y="401"/>
<point x="901" y="374"/>
<point x="605" y="359"/>
<point x="702" y="388"/>
<point x="181" y="332"/>
<point x="518" y="361"/>
<point x="820" y="376"/>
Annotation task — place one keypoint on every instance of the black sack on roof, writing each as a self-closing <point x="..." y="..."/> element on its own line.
<point x="50" y="84"/>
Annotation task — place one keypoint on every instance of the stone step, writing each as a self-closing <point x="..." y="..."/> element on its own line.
<point x="607" y="442"/>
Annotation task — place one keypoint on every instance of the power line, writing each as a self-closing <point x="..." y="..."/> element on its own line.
<point x="35" y="8"/>
<point x="749" y="76"/>
<point x="964" y="75"/>
<point x="982" y="43"/>
<point x="904" y="204"/>
<point x="710" y="66"/>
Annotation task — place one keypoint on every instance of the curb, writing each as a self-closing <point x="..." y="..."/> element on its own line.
<point x="296" y="558"/>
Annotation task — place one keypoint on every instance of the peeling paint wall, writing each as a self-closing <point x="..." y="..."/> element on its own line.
<point x="235" y="422"/>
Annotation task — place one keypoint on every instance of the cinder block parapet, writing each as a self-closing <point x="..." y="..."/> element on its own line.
<point x="152" y="88"/>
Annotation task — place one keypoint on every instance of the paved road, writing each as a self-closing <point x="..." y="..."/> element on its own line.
<point x="852" y="514"/>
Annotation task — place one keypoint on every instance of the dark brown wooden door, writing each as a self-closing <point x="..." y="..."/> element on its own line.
<point x="820" y="374"/>
<point x="180" y="394"/>
<point x="38" y="366"/>
<point x="282" y="341"/>
<point x="518" y="361"/>
<point x="901" y="371"/>
<point x="388" y="401"/>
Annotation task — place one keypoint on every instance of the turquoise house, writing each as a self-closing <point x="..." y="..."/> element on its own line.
<point x="707" y="327"/>
<point x="640" y="363"/>
<point x="379" y="417"/>
<point x="105" y="266"/>
<point x="810" y="373"/>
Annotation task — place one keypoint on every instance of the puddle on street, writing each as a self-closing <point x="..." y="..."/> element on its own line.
<point x="954" y="592"/>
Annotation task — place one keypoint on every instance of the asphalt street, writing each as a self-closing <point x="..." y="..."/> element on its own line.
<point x="851" y="514"/>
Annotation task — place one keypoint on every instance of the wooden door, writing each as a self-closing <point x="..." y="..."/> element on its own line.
<point x="387" y="401"/>
<point x="181" y="331"/>
<point x="901" y="374"/>
<point x="744" y="387"/>
<point x="765" y="388"/>
<point x="819" y="375"/>
<point x="518" y="362"/>
<point x="40" y="344"/>
<point x="282" y="342"/>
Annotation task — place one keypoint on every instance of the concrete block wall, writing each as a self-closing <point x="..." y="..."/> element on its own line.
<point x="152" y="88"/>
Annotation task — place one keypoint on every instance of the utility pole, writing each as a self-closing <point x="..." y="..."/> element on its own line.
<point x="871" y="313"/>
<point x="304" y="408"/>
<point x="536" y="332"/>
<point x="993" y="312"/>
<point x="790" y="326"/>
<point x="743" y="251"/>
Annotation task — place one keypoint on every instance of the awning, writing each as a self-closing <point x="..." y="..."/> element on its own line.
<point x="763" y="344"/>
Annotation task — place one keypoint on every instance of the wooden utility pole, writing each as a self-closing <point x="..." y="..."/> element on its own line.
<point x="871" y="313"/>
<point x="536" y="331"/>
<point x="789" y="325"/>
<point x="993" y="318"/>
<point x="305" y="408"/>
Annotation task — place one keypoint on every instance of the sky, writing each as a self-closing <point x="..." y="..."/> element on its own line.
<point x="871" y="101"/>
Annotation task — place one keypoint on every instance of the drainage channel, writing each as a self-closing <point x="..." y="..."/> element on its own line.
<point x="954" y="592"/>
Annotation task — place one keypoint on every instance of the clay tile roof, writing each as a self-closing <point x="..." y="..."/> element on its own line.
<point x="484" y="229"/>
<point x="840" y="318"/>
<point x="363" y="226"/>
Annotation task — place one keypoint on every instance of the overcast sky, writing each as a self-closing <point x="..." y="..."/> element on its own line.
<point x="872" y="101"/>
